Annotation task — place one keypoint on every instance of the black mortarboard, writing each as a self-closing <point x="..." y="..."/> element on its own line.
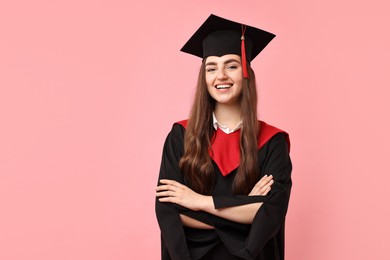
<point x="218" y="36"/>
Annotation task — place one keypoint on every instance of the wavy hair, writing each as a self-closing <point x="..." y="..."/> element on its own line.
<point x="196" y="163"/>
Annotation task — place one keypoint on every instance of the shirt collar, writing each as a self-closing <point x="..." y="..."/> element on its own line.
<point x="225" y="129"/>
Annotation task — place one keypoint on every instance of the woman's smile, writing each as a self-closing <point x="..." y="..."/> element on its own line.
<point x="223" y="86"/>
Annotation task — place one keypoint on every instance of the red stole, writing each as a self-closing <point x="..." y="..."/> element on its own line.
<point x="225" y="150"/>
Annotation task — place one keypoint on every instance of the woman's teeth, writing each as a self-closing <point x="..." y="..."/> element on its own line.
<point x="223" y="86"/>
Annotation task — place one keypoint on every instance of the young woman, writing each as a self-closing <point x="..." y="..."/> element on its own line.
<point x="225" y="177"/>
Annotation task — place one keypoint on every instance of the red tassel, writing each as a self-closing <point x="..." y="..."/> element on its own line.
<point x="243" y="53"/>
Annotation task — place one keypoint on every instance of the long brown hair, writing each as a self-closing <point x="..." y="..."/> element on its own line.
<point x="196" y="163"/>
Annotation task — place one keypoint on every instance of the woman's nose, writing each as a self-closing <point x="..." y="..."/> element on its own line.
<point x="221" y="74"/>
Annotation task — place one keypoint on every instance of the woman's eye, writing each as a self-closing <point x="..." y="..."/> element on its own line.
<point x="210" y="69"/>
<point x="232" y="67"/>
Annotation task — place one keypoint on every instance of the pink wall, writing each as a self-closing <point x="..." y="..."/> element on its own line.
<point x="89" y="90"/>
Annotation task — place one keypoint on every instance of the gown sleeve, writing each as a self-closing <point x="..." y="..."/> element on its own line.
<point x="232" y="201"/>
<point x="173" y="241"/>
<point x="269" y="220"/>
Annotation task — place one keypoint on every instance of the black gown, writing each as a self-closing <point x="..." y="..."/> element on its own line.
<point x="262" y="240"/>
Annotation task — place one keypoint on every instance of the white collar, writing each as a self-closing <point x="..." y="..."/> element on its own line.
<point x="224" y="128"/>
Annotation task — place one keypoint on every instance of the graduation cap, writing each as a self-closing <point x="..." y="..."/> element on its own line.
<point x="218" y="36"/>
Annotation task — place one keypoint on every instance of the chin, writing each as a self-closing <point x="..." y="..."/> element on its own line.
<point x="227" y="102"/>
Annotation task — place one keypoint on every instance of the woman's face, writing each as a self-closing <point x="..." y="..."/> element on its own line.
<point x="224" y="78"/>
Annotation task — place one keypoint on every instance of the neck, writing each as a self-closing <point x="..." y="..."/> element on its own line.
<point x="228" y="115"/>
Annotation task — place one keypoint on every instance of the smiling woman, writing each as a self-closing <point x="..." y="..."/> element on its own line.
<point x="224" y="79"/>
<point x="225" y="176"/>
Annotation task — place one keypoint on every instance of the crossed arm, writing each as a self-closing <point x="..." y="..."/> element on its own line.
<point x="175" y="192"/>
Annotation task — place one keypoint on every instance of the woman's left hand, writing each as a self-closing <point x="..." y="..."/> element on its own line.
<point x="175" y="192"/>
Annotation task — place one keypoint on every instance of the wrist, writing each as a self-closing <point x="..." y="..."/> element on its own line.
<point x="207" y="203"/>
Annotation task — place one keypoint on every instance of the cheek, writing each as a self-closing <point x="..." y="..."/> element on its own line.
<point x="209" y="81"/>
<point x="240" y="87"/>
<point x="208" y="78"/>
<point x="239" y="81"/>
<point x="210" y="89"/>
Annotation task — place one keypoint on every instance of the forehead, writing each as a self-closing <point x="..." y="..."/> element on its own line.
<point x="223" y="59"/>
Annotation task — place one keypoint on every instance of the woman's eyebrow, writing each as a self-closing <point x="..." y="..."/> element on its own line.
<point x="231" y="60"/>
<point x="210" y="63"/>
<point x="225" y="62"/>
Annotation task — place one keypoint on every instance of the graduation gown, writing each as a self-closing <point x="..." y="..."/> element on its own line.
<point x="264" y="238"/>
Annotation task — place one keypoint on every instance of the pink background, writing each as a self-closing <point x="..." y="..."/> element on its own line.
<point x="89" y="90"/>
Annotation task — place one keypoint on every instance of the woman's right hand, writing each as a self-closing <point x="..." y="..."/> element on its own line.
<point x="263" y="186"/>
